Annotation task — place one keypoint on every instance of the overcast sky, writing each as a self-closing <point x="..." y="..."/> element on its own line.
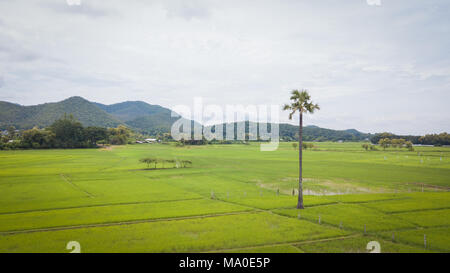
<point x="370" y="67"/>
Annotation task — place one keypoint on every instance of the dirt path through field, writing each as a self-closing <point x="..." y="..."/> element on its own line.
<point x="67" y="179"/>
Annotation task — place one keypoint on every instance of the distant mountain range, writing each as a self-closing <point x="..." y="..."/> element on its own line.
<point x="310" y="133"/>
<point x="138" y="115"/>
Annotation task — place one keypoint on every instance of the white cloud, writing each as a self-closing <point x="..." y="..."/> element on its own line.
<point x="367" y="66"/>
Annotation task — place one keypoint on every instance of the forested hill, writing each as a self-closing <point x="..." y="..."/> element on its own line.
<point x="42" y="115"/>
<point x="314" y="133"/>
<point x="139" y="116"/>
<point x="130" y="110"/>
<point x="289" y="132"/>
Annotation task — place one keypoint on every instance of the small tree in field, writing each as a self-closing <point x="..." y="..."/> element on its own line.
<point x="295" y="145"/>
<point x="148" y="161"/>
<point x="409" y="145"/>
<point x="365" y="146"/>
<point x="307" y="145"/>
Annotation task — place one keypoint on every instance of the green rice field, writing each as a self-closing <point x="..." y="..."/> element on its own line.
<point x="234" y="198"/>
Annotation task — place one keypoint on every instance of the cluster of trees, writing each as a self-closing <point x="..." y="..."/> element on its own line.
<point x="395" y="143"/>
<point x="368" y="147"/>
<point x="430" y="139"/>
<point x="305" y="145"/>
<point x="175" y="163"/>
<point x="435" y="139"/>
<point x="119" y="135"/>
<point x="183" y="142"/>
<point x="203" y="141"/>
<point x="164" y="137"/>
<point x="66" y="132"/>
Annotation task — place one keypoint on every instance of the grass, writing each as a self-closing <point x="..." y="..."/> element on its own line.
<point x="359" y="245"/>
<point x="352" y="216"/>
<point x="438" y="239"/>
<point x="427" y="218"/>
<point x="415" y="202"/>
<point x="234" y="198"/>
<point x="175" y="236"/>
<point x="114" y="214"/>
<point x="266" y="249"/>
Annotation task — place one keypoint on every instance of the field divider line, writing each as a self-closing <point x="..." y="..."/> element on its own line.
<point x="63" y="177"/>
<point x="412" y="243"/>
<point x="374" y="233"/>
<point x="414" y="228"/>
<point x="271" y="211"/>
<point x="133" y="222"/>
<point x="416" y="210"/>
<point x="303" y="242"/>
<point x="100" y="205"/>
<point x="112" y="165"/>
<point x="376" y="201"/>
<point x="390" y="213"/>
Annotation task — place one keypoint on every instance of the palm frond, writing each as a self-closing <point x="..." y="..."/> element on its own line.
<point x="291" y="114"/>
<point x="301" y="101"/>
<point x="287" y="107"/>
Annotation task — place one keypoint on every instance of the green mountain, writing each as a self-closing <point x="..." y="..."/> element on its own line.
<point x="131" y="110"/>
<point x="289" y="132"/>
<point x="314" y="133"/>
<point x="140" y="116"/>
<point x="43" y="115"/>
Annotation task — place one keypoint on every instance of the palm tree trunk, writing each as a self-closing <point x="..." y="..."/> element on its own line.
<point x="300" y="158"/>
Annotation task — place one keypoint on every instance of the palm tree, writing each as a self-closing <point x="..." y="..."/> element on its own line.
<point x="301" y="102"/>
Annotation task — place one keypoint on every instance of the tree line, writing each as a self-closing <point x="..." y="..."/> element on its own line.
<point x="387" y="142"/>
<point x="174" y="162"/>
<point x="429" y="139"/>
<point x="66" y="132"/>
<point x="395" y="143"/>
<point x="305" y="145"/>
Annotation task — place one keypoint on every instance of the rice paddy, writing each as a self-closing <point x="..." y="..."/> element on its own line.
<point x="234" y="198"/>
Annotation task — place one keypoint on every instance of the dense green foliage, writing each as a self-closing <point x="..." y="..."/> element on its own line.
<point x="66" y="132"/>
<point x="156" y="121"/>
<point x="140" y="116"/>
<point x="394" y="142"/>
<point x="289" y="132"/>
<point x="174" y="163"/>
<point x="313" y="133"/>
<point x="235" y="199"/>
<point x="430" y="139"/>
